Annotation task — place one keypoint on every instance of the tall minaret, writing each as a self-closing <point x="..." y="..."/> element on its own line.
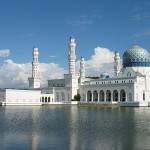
<point x="72" y="56"/>
<point x="82" y="70"/>
<point x="34" y="81"/>
<point x="116" y="63"/>
<point x="35" y="63"/>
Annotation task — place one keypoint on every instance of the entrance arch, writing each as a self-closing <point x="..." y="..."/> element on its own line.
<point x="115" y="96"/>
<point x="102" y="96"/>
<point x="89" y="96"/>
<point x="108" y="96"/>
<point x="95" y="96"/>
<point x="122" y="95"/>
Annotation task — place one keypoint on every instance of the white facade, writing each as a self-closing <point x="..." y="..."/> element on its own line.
<point x="130" y="85"/>
<point x="20" y="97"/>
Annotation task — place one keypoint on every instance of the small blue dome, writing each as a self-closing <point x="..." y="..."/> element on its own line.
<point x="104" y="75"/>
<point x="136" y="56"/>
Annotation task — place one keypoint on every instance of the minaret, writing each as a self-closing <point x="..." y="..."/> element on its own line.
<point x="71" y="79"/>
<point x="72" y="56"/>
<point x="82" y="70"/>
<point x="116" y="63"/>
<point x="34" y="81"/>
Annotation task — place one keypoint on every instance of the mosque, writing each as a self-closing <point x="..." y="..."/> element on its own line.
<point x="130" y="85"/>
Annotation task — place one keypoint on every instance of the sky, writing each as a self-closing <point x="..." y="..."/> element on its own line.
<point x="100" y="27"/>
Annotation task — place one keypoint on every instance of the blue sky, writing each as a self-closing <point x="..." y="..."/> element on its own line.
<point x="48" y="24"/>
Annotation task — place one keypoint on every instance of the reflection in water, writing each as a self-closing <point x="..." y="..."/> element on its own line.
<point x="74" y="128"/>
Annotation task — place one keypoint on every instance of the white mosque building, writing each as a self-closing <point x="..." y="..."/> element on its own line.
<point x="130" y="85"/>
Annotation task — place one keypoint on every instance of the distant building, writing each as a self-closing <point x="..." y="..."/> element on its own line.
<point x="130" y="85"/>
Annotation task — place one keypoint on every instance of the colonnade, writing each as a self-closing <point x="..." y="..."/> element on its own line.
<point x="106" y="96"/>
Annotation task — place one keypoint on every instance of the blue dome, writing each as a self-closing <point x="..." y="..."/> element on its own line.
<point x="136" y="56"/>
<point x="104" y="75"/>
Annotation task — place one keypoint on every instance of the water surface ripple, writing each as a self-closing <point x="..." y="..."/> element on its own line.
<point x="74" y="128"/>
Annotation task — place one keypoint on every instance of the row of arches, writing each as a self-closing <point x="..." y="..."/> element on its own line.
<point x="46" y="99"/>
<point x="107" y="96"/>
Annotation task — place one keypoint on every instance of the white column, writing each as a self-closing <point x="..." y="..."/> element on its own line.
<point x="111" y="96"/>
<point x="98" y="97"/>
<point x="118" y="96"/>
<point x="92" y="96"/>
<point x="86" y="97"/>
<point x="105" y="96"/>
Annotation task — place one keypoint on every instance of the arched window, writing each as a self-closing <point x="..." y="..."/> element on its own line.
<point x="43" y="99"/>
<point x="108" y="96"/>
<point x="115" y="95"/>
<point x="102" y="95"/>
<point x="128" y="74"/>
<point x="89" y="96"/>
<point x="49" y="99"/>
<point x="122" y="96"/>
<point x="95" y="96"/>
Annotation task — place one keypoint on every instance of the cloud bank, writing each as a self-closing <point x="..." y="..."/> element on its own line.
<point x="101" y="61"/>
<point x="14" y="75"/>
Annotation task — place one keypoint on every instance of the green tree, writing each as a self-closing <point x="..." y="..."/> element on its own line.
<point x="77" y="97"/>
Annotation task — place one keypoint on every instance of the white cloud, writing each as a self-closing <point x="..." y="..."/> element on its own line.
<point x="4" y="52"/>
<point x="50" y="71"/>
<point x="102" y="60"/>
<point x="13" y="75"/>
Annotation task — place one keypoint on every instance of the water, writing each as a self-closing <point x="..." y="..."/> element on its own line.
<point x="74" y="128"/>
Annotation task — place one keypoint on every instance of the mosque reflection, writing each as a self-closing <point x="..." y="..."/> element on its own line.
<point x="74" y="127"/>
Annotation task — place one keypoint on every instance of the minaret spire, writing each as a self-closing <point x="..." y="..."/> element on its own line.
<point x="34" y="81"/>
<point x="72" y="56"/>
<point x="116" y="64"/>
<point x="82" y="69"/>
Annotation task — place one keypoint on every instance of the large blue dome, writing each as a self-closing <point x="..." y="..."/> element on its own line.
<point x="136" y="56"/>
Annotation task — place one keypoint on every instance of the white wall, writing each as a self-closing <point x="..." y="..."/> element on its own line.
<point x="22" y="97"/>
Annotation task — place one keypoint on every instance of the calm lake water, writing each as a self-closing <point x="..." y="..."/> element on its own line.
<point x="74" y="128"/>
